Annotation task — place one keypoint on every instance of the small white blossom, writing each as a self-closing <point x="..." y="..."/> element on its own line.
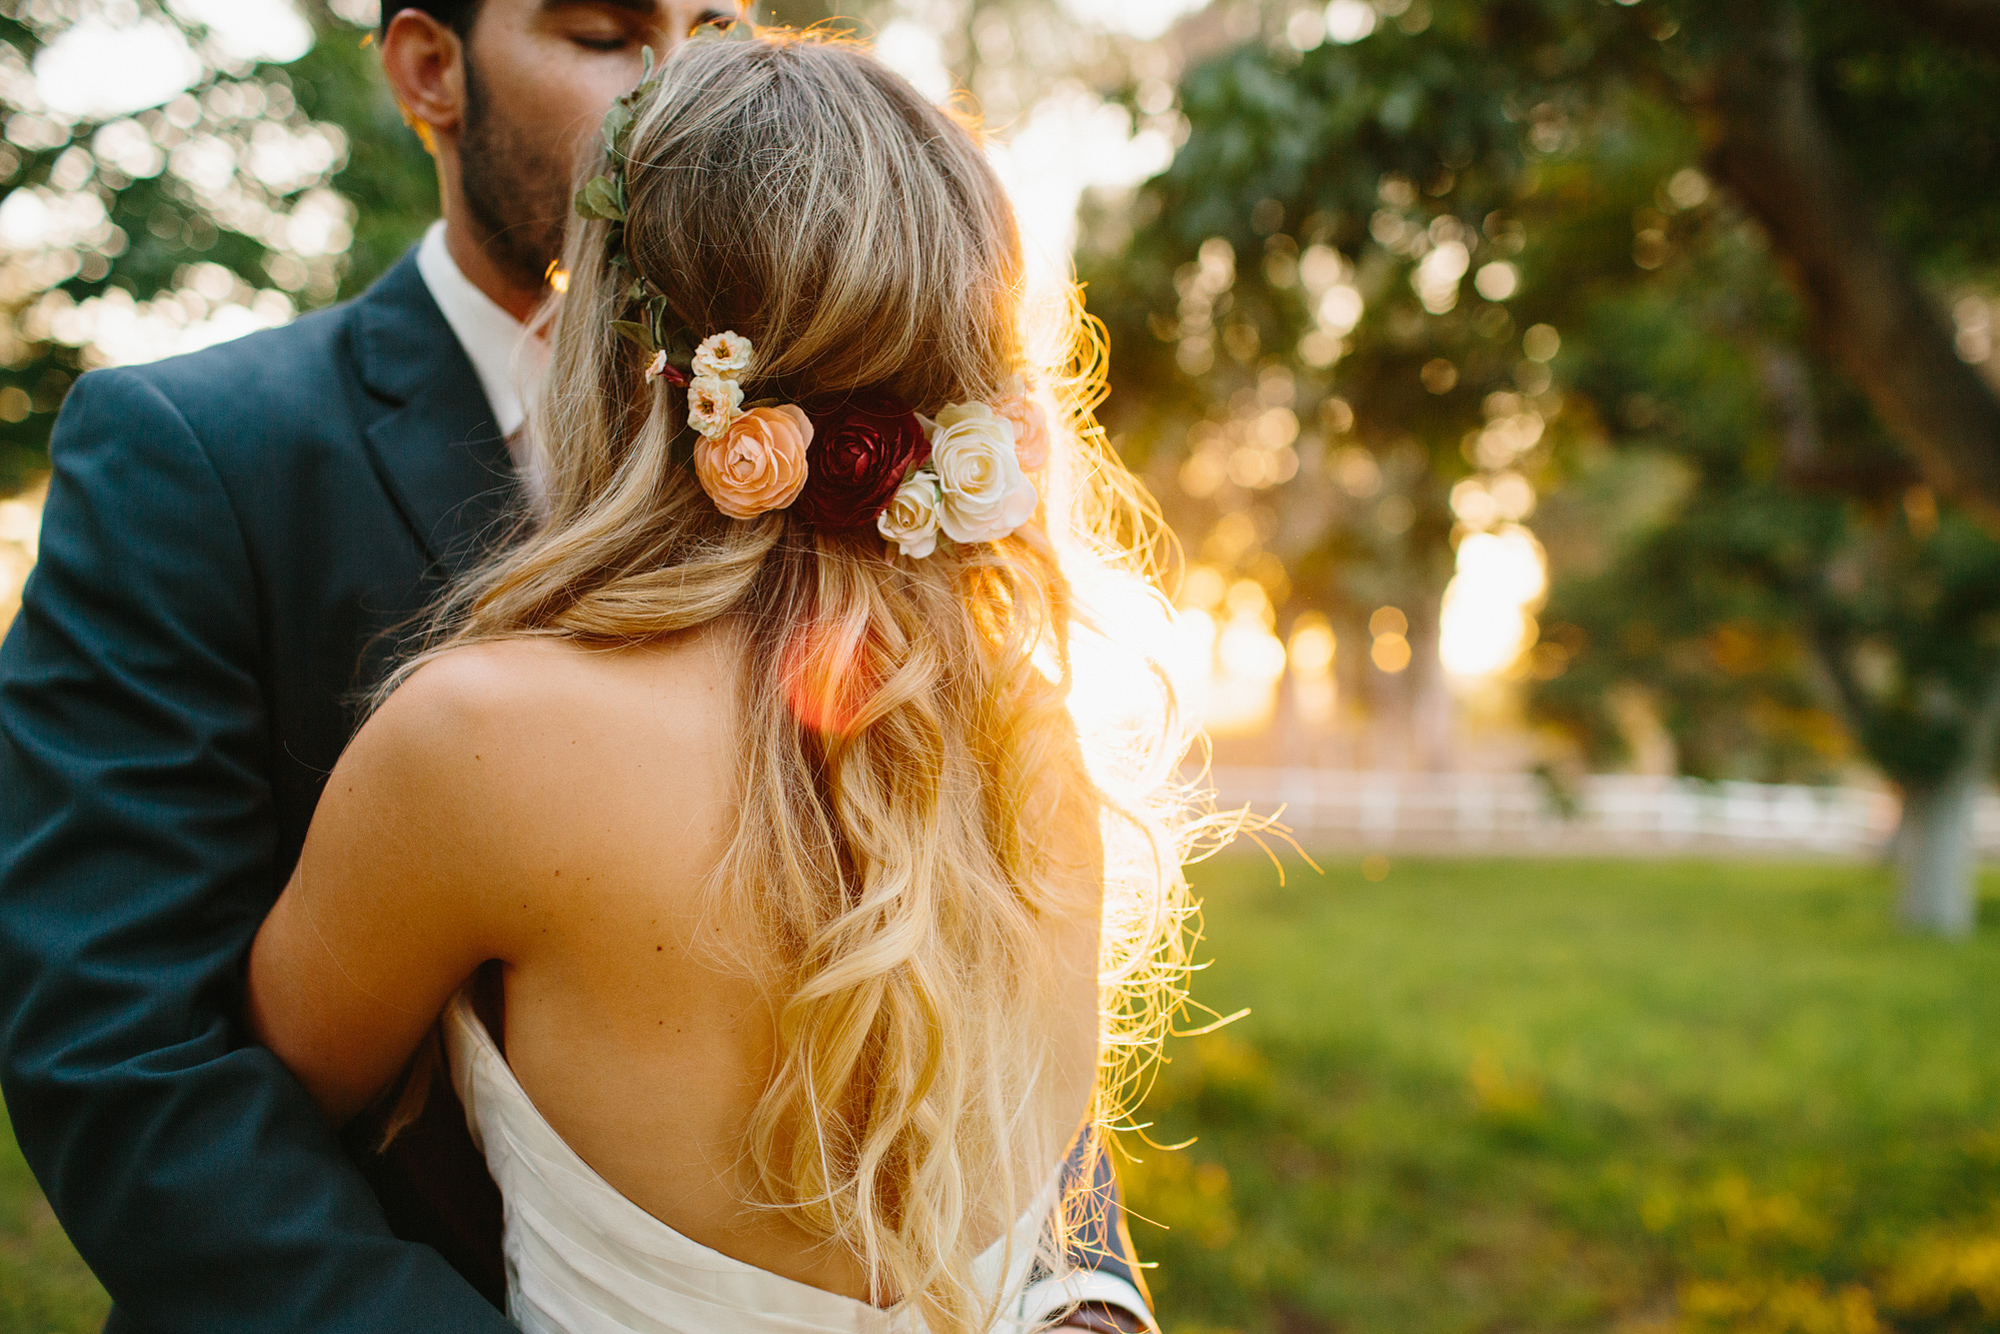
<point x="713" y="403"/>
<point x="725" y="356"/>
<point x="911" y="520"/>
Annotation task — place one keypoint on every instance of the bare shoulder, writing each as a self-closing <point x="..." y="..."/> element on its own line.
<point x="536" y="735"/>
<point x="477" y="683"/>
<point x="522" y="692"/>
<point x="431" y="764"/>
<point x="457" y="710"/>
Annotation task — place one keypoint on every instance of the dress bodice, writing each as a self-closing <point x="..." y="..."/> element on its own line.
<point x="584" y="1259"/>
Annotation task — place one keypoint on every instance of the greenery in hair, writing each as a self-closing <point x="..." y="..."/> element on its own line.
<point x="605" y="198"/>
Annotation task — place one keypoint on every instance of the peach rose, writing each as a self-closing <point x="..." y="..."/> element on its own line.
<point x="758" y="464"/>
<point x="1031" y="429"/>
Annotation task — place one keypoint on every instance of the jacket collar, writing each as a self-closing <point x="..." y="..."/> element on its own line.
<point x="434" y="442"/>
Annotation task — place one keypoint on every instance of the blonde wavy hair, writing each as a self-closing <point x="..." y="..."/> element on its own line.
<point x="913" y="731"/>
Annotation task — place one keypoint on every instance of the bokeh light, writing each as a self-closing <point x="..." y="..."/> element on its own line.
<point x="1229" y="661"/>
<point x="1486" y="624"/>
<point x="1143" y="19"/>
<point x="97" y="69"/>
<point x="1349" y="20"/>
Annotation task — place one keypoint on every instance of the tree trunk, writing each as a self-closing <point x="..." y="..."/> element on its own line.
<point x="1934" y="848"/>
<point x="1935" y="855"/>
<point x="1769" y="142"/>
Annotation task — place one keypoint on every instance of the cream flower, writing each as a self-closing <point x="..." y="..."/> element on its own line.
<point x="911" y="520"/>
<point x="657" y="366"/>
<point x="713" y="403"/>
<point x="984" y="493"/>
<point x="725" y="356"/>
<point x="959" y="412"/>
<point x="758" y="464"/>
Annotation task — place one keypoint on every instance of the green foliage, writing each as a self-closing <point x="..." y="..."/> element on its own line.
<point x="1736" y="544"/>
<point x="387" y="175"/>
<point x="1576" y="1096"/>
<point x="1304" y="357"/>
<point x="262" y="189"/>
<point x="1752" y="548"/>
<point x="1914" y="111"/>
<point x="602" y="198"/>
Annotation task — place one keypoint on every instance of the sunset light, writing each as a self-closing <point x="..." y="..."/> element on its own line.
<point x="1486" y="621"/>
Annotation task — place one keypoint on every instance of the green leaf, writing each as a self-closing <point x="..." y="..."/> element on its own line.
<point x="617" y="121"/>
<point x="635" y="333"/>
<point x="602" y="198"/>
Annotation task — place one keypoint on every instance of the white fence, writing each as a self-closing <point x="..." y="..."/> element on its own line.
<point x="1608" y="813"/>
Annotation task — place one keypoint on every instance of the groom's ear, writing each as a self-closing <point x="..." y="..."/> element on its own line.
<point x="424" y="61"/>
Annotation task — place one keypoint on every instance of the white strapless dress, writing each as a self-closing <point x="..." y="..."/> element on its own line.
<point x="584" y="1259"/>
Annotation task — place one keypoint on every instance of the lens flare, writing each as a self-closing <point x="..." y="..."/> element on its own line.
<point x="826" y="685"/>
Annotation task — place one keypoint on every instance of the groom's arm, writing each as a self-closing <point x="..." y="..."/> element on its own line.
<point x="137" y="837"/>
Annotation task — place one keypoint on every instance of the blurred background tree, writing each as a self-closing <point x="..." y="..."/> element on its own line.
<point x="246" y="165"/>
<point x="1395" y="292"/>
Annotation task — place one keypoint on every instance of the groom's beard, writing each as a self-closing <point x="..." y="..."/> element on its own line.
<point x="516" y="184"/>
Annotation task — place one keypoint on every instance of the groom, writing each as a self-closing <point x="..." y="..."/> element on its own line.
<point x="231" y="543"/>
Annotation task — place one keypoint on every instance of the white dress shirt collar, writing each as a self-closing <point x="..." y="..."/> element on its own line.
<point x="508" y="360"/>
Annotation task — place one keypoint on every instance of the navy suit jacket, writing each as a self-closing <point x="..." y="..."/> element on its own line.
<point x="235" y="545"/>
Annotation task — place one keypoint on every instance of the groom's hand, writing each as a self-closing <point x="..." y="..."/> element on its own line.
<point x="1103" y="1319"/>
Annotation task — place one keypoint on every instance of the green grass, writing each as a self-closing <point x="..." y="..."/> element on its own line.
<point x="1518" y="1096"/>
<point x="44" y="1287"/>
<point x="1525" y="1096"/>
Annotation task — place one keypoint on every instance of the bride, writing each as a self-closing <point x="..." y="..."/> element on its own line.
<point x="800" y="772"/>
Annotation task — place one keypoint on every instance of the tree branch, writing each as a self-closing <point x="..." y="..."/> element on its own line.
<point x="1767" y="140"/>
<point x="1966" y="22"/>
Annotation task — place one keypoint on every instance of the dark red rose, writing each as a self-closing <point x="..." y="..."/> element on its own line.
<point x="863" y="444"/>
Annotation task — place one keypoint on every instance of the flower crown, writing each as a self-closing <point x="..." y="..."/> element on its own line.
<point x="840" y="462"/>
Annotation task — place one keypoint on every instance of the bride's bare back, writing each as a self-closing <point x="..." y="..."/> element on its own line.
<point x="561" y="811"/>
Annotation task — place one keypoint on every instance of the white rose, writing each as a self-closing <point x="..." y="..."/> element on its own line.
<point x="713" y="404"/>
<point x="724" y="356"/>
<point x="984" y="493"/>
<point x="911" y="520"/>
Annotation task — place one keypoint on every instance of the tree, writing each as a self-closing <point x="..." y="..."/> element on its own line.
<point x="1782" y="585"/>
<point x="1770" y="140"/>
<point x="1298" y="365"/>
<point x="1551" y="151"/>
<point x="195" y="208"/>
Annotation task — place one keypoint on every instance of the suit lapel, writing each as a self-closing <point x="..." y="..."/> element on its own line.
<point x="433" y="439"/>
